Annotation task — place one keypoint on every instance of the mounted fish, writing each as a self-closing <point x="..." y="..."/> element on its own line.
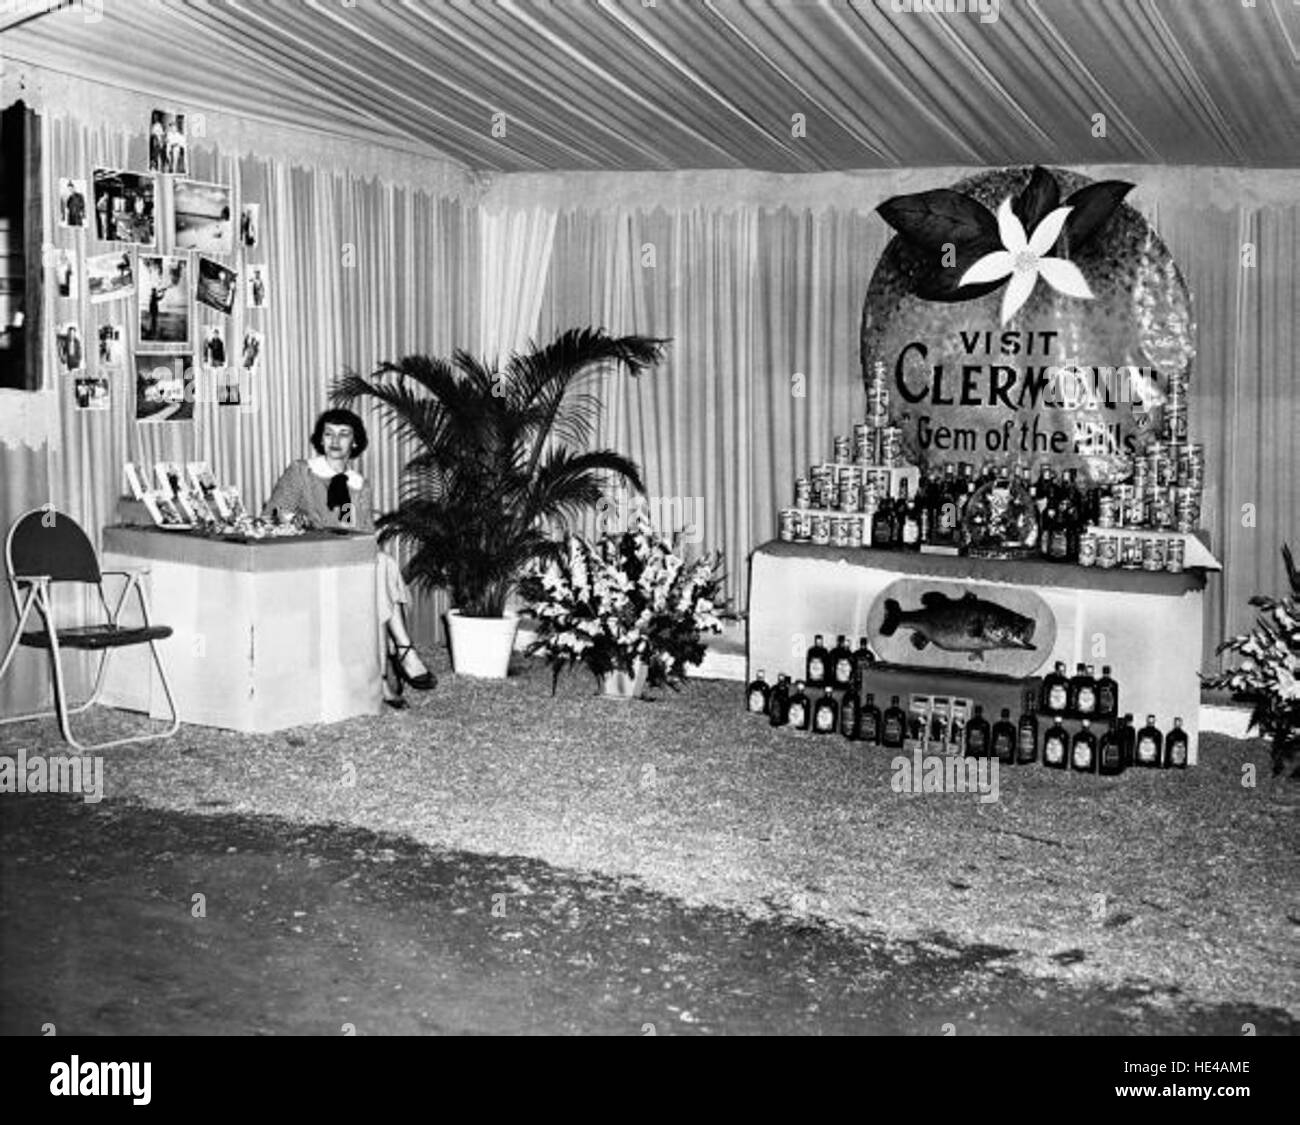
<point x="942" y="624"/>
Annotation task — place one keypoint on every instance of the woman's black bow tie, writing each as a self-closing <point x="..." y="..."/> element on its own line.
<point x="338" y="494"/>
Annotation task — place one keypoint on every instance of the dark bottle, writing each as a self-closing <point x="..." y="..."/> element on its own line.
<point x="893" y="729"/>
<point x="1070" y="511"/>
<point x="1127" y="742"/>
<point x="882" y="524"/>
<point x="758" y="694"/>
<point x="815" y="667"/>
<point x="945" y="517"/>
<point x="925" y="504"/>
<point x="1083" y="692"/>
<point x="977" y="734"/>
<point x="778" y="703"/>
<point x="1150" y="745"/>
<point x="1107" y="694"/>
<point x="1056" y="691"/>
<point x="1045" y="490"/>
<point x="870" y="721"/>
<point x="862" y="660"/>
<point x="1058" y="542"/>
<point x="1110" y="753"/>
<point x="800" y="708"/>
<point x="1056" y="747"/>
<point x="1004" y="739"/>
<point x="1046" y="526"/>
<point x="1083" y="751"/>
<point x="909" y="521"/>
<point x="840" y="663"/>
<point x="1176" y="747"/>
<point x="849" y="711"/>
<point x="1027" y="730"/>
<point x="826" y="713"/>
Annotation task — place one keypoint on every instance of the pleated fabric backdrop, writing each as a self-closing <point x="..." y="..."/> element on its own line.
<point x="365" y="262"/>
<point x="760" y="280"/>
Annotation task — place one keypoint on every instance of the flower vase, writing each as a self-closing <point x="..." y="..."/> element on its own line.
<point x="619" y="684"/>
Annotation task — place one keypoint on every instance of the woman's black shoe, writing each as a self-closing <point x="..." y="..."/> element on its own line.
<point x="423" y="682"/>
<point x="397" y="703"/>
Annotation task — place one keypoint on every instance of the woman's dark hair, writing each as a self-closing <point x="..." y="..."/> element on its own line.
<point x="340" y="417"/>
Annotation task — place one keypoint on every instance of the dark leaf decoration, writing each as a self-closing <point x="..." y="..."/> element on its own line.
<point x="1092" y="206"/>
<point x="933" y="218"/>
<point x="942" y="283"/>
<point x="1037" y="200"/>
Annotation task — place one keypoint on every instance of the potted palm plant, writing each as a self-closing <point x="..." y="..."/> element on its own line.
<point x="499" y="470"/>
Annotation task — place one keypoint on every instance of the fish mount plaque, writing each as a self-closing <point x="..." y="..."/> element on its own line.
<point x="964" y="627"/>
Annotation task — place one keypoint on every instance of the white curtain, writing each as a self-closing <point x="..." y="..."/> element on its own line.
<point x="514" y="269"/>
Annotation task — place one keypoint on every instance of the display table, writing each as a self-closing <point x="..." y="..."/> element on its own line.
<point x="1146" y="626"/>
<point x="268" y="634"/>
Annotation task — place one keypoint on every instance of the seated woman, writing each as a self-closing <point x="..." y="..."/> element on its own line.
<point x="324" y="493"/>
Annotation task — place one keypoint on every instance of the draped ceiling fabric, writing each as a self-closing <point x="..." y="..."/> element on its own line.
<point x="544" y="85"/>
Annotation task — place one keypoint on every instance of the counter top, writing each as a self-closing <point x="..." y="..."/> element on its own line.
<point x="296" y="552"/>
<point x="1017" y="572"/>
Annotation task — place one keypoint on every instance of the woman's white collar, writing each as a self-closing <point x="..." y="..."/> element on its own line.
<point x="321" y="468"/>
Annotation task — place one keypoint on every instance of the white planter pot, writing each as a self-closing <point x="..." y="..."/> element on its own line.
<point x="619" y="685"/>
<point x="481" y="646"/>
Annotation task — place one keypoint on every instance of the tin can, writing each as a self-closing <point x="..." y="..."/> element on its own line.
<point x="1187" y="509"/>
<point x="1130" y="552"/>
<point x="843" y="451"/>
<point x="1087" y="549"/>
<point x="1107" y="551"/>
<point x="1124" y="495"/>
<point x="1141" y="473"/>
<point x="864" y="443"/>
<point x="802" y="493"/>
<point x="875" y="485"/>
<point x="823" y="486"/>
<point x="1153" y="554"/>
<point x="878" y="402"/>
<point x="1107" y="512"/>
<point x="1159" y="466"/>
<point x="850" y="496"/>
<point x="855" y="530"/>
<point x="1176" y="420"/>
<point x="804" y="527"/>
<point x="789" y="525"/>
<point x="840" y="530"/>
<point x="1175" y="553"/>
<point x="821" y="529"/>
<point x="891" y="447"/>
<point x="1160" y="511"/>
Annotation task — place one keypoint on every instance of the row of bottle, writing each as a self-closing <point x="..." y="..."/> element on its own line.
<point x="1082" y="695"/>
<point x="1118" y="748"/>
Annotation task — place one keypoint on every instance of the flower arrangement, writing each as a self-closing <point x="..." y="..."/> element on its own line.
<point x="1269" y="676"/>
<point x="628" y="597"/>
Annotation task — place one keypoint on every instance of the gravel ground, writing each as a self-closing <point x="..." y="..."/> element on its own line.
<point x="1181" y="882"/>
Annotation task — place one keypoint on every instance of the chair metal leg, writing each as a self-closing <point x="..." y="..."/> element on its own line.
<point x="61" y="709"/>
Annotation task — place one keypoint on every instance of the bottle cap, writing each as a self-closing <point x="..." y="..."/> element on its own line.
<point x="1151" y="720"/>
<point x="1006" y="712"/>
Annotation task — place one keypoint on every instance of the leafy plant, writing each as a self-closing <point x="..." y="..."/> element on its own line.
<point x="496" y="475"/>
<point x="625" y="598"/>
<point x="1269" y="675"/>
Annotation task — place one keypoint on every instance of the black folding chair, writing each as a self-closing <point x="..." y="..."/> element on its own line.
<point x="45" y="547"/>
